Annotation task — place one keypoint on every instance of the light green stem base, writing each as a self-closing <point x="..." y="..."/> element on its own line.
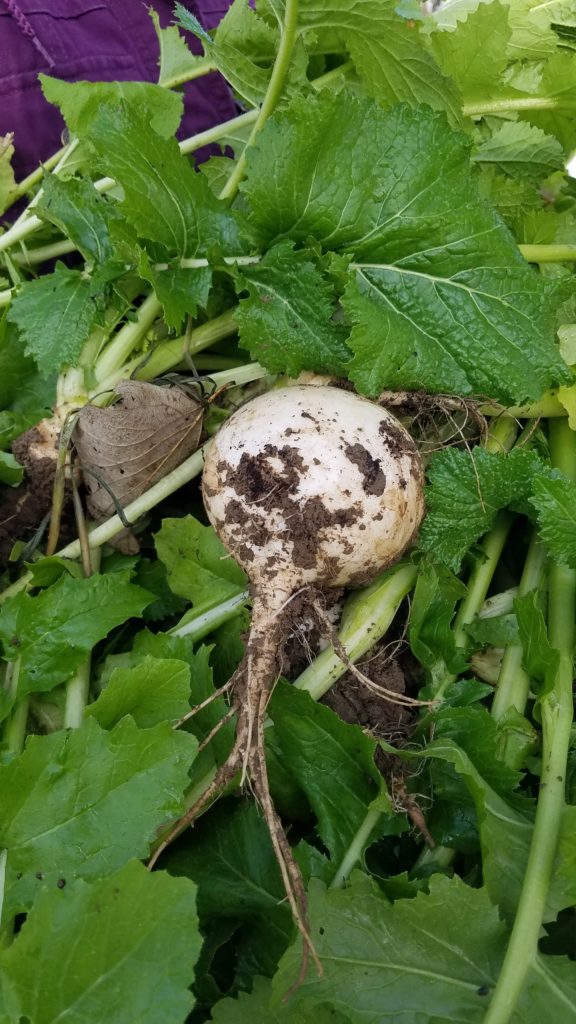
<point x="556" y="709"/>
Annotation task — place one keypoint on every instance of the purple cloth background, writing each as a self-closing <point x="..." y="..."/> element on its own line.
<point x="91" y="40"/>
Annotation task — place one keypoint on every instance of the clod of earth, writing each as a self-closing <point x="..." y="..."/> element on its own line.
<point x="310" y="488"/>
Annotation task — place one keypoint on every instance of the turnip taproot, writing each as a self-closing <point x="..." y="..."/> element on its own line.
<point x="309" y="487"/>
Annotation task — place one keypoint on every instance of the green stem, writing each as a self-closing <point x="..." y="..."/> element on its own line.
<point x="357" y="846"/>
<point x="170" y="353"/>
<point x="218" y="132"/>
<point x="15" y="726"/>
<point x="367" y="617"/>
<point x="556" y="709"/>
<point x="3" y="859"/>
<point x="481" y="576"/>
<point x="202" y="67"/>
<point x="78" y="687"/>
<point x="513" y="681"/>
<point x="273" y="93"/>
<point x="5" y="297"/>
<point x="199" y="626"/>
<point x="548" y="253"/>
<point x="35" y="177"/>
<point x="516" y="103"/>
<point x="118" y="350"/>
<point x="31" y="257"/>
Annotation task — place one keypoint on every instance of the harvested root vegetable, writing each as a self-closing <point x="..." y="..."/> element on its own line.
<point x="309" y="488"/>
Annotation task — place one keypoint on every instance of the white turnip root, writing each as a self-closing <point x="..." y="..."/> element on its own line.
<point x="309" y="487"/>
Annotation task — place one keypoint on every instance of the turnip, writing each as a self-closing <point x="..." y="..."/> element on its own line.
<point x="309" y="488"/>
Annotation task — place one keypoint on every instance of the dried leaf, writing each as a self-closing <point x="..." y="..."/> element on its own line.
<point x="132" y="444"/>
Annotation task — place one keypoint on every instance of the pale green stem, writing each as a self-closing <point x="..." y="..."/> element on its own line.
<point x="517" y="103"/>
<point x="77" y="690"/>
<point x="513" y="682"/>
<point x="123" y="344"/>
<point x="78" y="687"/>
<point x="355" y="850"/>
<point x="201" y="625"/>
<point x="15" y="726"/>
<point x="3" y="859"/>
<point x="5" y="297"/>
<point x="273" y="93"/>
<point x="367" y="617"/>
<point x="170" y="353"/>
<point x="548" y="253"/>
<point x="549" y="407"/>
<point x="198" y="71"/>
<point x="219" y="131"/>
<point x="326" y="80"/>
<point x="556" y="709"/>
<point x="481" y="577"/>
<point x="31" y="257"/>
<point x="35" y="177"/>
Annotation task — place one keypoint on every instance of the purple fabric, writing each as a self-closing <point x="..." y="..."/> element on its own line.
<point x="92" y="40"/>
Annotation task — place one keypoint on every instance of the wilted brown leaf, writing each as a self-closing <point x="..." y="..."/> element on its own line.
<point x="134" y="443"/>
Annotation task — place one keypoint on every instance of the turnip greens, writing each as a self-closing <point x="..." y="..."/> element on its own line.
<point x="390" y="206"/>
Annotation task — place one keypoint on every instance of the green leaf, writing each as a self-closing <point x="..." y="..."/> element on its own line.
<point x="231" y="860"/>
<point x="54" y="314"/>
<point x="151" y="575"/>
<point x="512" y="198"/>
<point x="158" y="690"/>
<point x="540" y="660"/>
<point x="431" y="635"/>
<point x="11" y="472"/>
<point x="80" y="102"/>
<point x="190" y="22"/>
<point x="438" y="294"/>
<point x="80" y="803"/>
<point x="287" y="321"/>
<point x="387" y="53"/>
<point x="251" y="1007"/>
<point x="532" y="36"/>
<point x="165" y="200"/>
<point x="420" y="958"/>
<point x="243" y="50"/>
<point x="7" y="180"/>
<point x="47" y="570"/>
<point x="177" y="62"/>
<point x="53" y="632"/>
<point x="475" y="54"/>
<point x="81" y="213"/>
<point x="521" y="150"/>
<point x="494" y="630"/>
<point x="128" y="944"/>
<point x="181" y="291"/>
<point x="332" y="761"/>
<point x="504" y="818"/>
<point x="429" y="959"/>
<point x="558" y="82"/>
<point x="555" y="502"/>
<point x="23" y="390"/>
<point x="199" y="567"/>
<point x="255" y="1008"/>
<point x="465" y="493"/>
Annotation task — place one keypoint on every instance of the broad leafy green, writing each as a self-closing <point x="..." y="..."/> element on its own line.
<point x="52" y="633"/>
<point x="129" y="943"/>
